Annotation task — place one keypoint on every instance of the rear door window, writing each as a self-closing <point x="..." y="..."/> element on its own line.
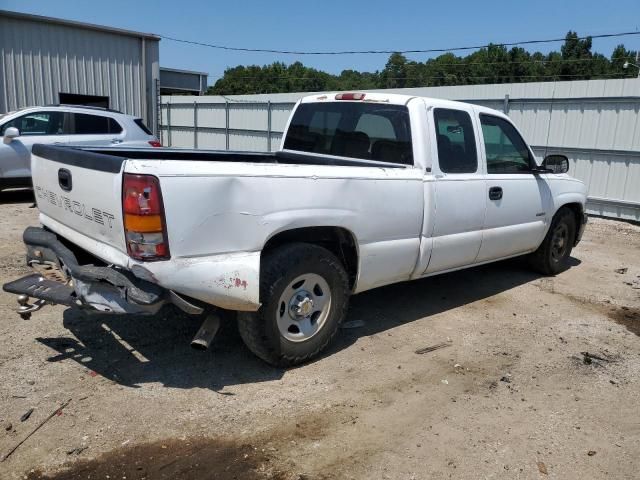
<point x="85" y="124"/>
<point x="456" y="143"/>
<point x="352" y="129"/>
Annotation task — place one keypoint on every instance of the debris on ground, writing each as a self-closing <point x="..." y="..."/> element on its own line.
<point x="588" y="358"/>
<point x="505" y="379"/>
<point x="542" y="468"/>
<point x="25" y="416"/>
<point x="622" y="270"/>
<point x="353" y="324"/>
<point x="432" y="348"/>
<point x="76" y="451"/>
<point x="57" y="411"/>
<point x="591" y="453"/>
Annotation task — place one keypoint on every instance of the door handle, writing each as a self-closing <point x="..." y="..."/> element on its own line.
<point x="495" y="193"/>
<point x="115" y="141"/>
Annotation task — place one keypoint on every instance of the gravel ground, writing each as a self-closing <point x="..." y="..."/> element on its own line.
<point x="536" y="378"/>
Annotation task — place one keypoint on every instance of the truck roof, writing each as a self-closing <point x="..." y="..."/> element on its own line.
<point x="391" y="98"/>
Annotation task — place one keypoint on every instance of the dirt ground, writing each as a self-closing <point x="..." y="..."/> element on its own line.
<point x="538" y="378"/>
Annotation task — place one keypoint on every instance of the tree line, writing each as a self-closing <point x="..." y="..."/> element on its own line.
<point x="493" y="64"/>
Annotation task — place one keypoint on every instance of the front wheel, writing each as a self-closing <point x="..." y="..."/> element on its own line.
<point x="552" y="255"/>
<point x="304" y="291"/>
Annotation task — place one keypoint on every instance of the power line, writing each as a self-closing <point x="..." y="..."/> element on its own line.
<point x="355" y="52"/>
<point x="457" y="75"/>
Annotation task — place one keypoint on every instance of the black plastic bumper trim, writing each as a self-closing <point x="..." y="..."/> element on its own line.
<point x="137" y="290"/>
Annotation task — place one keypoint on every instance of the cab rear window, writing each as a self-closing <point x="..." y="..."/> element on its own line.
<point x="352" y="129"/>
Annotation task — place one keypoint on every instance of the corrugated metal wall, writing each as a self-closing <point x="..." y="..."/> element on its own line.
<point x="596" y="123"/>
<point x="38" y="60"/>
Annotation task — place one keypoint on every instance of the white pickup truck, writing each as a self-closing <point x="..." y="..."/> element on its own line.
<point x="368" y="189"/>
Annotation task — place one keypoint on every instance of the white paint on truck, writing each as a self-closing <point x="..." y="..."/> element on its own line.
<point x="406" y="222"/>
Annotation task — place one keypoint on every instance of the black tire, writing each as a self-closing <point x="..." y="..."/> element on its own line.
<point x="552" y="255"/>
<point x="259" y="330"/>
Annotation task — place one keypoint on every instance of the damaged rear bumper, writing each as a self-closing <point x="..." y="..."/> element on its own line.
<point x="99" y="288"/>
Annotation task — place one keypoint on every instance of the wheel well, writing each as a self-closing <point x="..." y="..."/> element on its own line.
<point x="337" y="240"/>
<point x="577" y="210"/>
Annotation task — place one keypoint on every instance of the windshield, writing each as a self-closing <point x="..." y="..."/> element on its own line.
<point x="352" y="129"/>
<point x="3" y="115"/>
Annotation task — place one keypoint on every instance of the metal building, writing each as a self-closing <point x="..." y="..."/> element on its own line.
<point x="47" y="60"/>
<point x="182" y="82"/>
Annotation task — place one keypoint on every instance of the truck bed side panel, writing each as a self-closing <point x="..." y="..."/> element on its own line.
<point x="227" y="208"/>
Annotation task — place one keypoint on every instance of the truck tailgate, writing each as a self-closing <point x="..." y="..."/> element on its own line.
<point x="80" y="190"/>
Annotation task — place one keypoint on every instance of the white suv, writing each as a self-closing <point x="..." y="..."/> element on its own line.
<point x="62" y="125"/>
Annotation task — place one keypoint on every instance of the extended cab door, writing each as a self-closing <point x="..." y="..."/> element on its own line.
<point x="458" y="186"/>
<point x="35" y="127"/>
<point x="518" y="201"/>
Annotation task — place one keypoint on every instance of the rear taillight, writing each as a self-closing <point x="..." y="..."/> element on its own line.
<point x="155" y="143"/>
<point x="144" y="222"/>
<point x="350" y="96"/>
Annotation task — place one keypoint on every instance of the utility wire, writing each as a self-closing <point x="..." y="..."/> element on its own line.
<point x="355" y="52"/>
<point x="457" y="75"/>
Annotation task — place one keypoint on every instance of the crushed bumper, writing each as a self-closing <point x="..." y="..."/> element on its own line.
<point x="98" y="288"/>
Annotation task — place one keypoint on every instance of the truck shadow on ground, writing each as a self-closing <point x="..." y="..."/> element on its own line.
<point x="133" y="350"/>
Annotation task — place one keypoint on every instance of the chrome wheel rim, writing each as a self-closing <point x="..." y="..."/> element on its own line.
<point x="559" y="242"/>
<point x="303" y="307"/>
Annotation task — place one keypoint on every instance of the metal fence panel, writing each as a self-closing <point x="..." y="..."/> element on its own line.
<point x="254" y="142"/>
<point x="211" y="115"/>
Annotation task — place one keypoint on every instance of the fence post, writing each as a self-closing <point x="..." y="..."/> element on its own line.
<point x="226" y="124"/>
<point x="195" y="124"/>
<point x="169" y="124"/>
<point x="505" y="107"/>
<point x="158" y="128"/>
<point x="269" y="125"/>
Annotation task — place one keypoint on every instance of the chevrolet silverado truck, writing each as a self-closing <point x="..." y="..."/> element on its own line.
<point x="368" y="189"/>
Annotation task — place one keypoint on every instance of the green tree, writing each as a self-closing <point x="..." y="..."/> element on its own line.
<point x="395" y="72"/>
<point x="492" y="64"/>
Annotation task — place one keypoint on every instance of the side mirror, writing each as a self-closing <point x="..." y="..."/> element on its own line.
<point x="556" y="163"/>
<point x="10" y="133"/>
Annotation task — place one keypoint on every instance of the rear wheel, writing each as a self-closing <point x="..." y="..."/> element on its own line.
<point x="552" y="255"/>
<point x="304" y="291"/>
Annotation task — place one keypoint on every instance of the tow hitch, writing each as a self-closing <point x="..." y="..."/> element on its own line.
<point x="43" y="290"/>
<point x="25" y="309"/>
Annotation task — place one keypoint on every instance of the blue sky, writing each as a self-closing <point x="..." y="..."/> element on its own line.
<point x="339" y="25"/>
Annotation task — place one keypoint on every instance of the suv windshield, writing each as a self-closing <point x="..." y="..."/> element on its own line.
<point x="352" y="129"/>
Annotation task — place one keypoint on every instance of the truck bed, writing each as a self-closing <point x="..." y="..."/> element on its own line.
<point x="112" y="157"/>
